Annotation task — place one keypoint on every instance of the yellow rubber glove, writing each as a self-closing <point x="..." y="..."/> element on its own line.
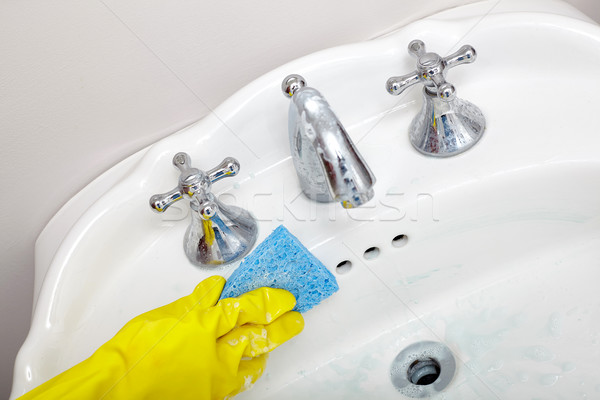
<point x="189" y="349"/>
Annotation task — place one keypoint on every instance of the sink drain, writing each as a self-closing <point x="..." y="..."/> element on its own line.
<point x="423" y="369"/>
<point x="423" y="372"/>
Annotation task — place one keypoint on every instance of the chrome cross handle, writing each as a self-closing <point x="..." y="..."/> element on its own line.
<point x="446" y="125"/>
<point x="218" y="233"/>
<point x="196" y="184"/>
<point x="431" y="71"/>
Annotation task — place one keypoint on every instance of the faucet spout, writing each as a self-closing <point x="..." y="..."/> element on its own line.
<point x="327" y="162"/>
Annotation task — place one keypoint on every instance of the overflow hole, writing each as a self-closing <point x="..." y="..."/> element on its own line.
<point x="399" y="241"/>
<point x="344" y="267"/>
<point x="371" y="253"/>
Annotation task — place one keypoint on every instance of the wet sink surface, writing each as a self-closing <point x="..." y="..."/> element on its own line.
<point x="500" y="249"/>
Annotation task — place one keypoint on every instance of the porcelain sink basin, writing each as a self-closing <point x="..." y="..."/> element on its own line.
<point x="495" y="252"/>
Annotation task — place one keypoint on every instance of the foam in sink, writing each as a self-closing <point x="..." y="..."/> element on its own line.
<point x="281" y="261"/>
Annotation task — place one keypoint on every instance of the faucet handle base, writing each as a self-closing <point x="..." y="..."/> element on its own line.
<point x="225" y="238"/>
<point x="218" y="234"/>
<point x="446" y="128"/>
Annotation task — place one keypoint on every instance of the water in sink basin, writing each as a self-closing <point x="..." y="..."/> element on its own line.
<point x="500" y="247"/>
<point x="503" y="275"/>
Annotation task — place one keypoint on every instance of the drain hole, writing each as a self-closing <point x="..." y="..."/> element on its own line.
<point x="399" y="240"/>
<point x="344" y="267"/>
<point x="371" y="253"/>
<point x="423" y="369"/>
<point x="423" y="372"/>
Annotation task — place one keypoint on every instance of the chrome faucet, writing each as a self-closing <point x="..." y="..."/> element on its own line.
<point x="328" y="165"/>
<point x="218" y="234"/>
<point x="446" y="125"/>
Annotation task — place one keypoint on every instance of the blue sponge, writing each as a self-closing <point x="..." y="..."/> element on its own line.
<point x="281" y="261"/>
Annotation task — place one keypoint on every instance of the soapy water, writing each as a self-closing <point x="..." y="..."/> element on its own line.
<point x="495" y="366"/>
<point x="500" y="382"/>
<point x="549" y="379"/>
<point x="568" y="367"/>
<point x="505" y="348"/>
<point x="523" y="377"/>
<point x="482" y="349"/>
<point x="555" y="325"/>
<point x="539" y="354"/>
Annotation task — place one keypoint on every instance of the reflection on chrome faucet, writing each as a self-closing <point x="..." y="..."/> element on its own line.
<point x="328" y="165"/>
<point x="446" y="125"/>
<point x="218" y="233"/>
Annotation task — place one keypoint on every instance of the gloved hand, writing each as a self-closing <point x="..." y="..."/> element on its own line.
<point x="189" y="349"/>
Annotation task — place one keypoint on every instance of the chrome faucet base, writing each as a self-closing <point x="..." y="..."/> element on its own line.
<point x="446" y="128"/>
<point x="225" y="238"/>
<point x="218" y="234"/>
<point x="446" y="125"/>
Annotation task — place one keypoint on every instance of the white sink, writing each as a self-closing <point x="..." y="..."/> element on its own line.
<point x="501" y="254"/>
